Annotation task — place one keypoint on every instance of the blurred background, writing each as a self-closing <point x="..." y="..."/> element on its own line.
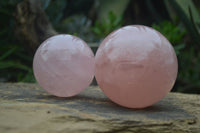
<point x="25" y="24"/>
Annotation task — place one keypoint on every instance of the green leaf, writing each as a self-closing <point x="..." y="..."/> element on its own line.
<point x="182" y="9"/>
<point x="179" y="47"/>
<point x="9" y="52"/>
<point x="13" y="64"/>
<point x="106" y="26"/>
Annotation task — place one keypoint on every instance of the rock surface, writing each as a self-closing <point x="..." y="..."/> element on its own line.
<point x="27" y="108"/>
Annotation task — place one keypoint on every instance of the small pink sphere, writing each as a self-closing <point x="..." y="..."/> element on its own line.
<point x="136" y="66"/>
<point x="64" y="65"/>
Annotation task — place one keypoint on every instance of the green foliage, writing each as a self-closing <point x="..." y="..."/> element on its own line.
<point x="103" y="28"/>
<point x="189" y="59"/>
<point x="15" y="61"/>
<point x="189" y="72"/>
<point x="172" y="33"/>
<point x="15" y="64"/>
<point x="54" y="10"/>
<point x="7" y="8"/>
<point x="195" y="25"/>
<point x="189" y="15"/>
<point x="45" y="3"/>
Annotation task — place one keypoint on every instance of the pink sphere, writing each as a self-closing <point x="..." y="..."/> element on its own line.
<point x="135" y="66"/>
<point x="64" y="65"/>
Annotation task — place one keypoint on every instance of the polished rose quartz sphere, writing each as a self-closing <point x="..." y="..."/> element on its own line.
<point x="64" y="65"/>
<point x="135" y="66"/>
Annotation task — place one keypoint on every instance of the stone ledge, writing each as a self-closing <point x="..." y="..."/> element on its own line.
<point x="27" y="108"/>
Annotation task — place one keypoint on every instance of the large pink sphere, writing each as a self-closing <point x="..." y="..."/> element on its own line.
<point x="135" y="66"/>
<point x="64" y="65"/>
